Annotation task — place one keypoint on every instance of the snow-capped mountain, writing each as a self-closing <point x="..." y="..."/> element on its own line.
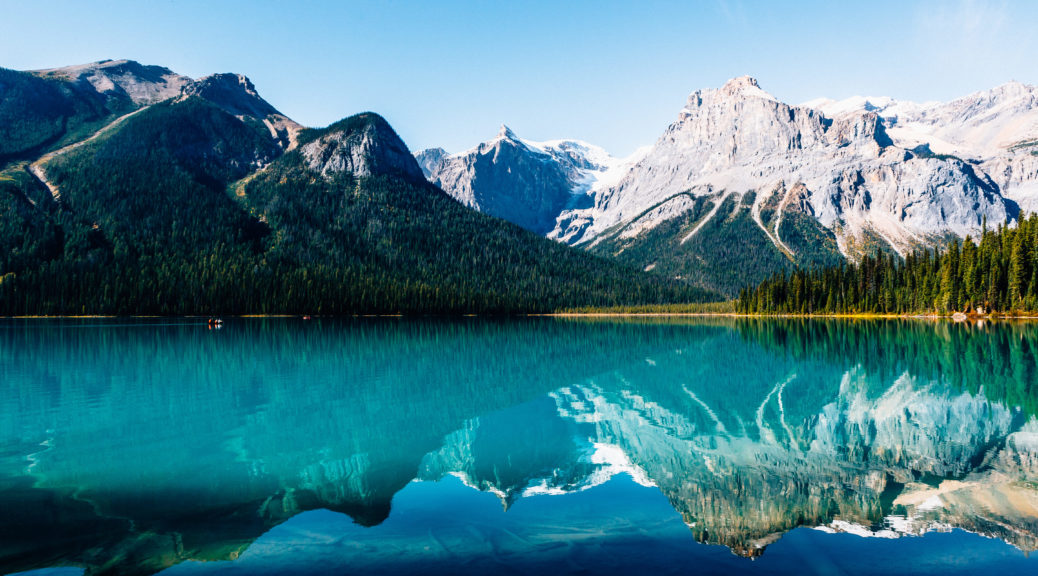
<point x="854" y="179"/>
<point x="980" y="125"/>
<point x="742" y="181"/>
<point x="997" y="129"/>
<point x="529" y="183"/>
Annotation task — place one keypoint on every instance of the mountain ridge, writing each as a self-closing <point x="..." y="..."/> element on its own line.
<point x="739" y="187"/>
<point x="212" y="201"/>
<point x="562" y="175"/>
<point x="860" y="175"/>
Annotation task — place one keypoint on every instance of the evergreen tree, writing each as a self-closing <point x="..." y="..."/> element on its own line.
<point x="998" y="274"/>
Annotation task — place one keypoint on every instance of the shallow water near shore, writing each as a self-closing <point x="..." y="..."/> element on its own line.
<point x="538" y="445"/>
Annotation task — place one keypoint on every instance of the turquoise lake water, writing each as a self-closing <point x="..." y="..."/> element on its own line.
<point x="518" y="446"/>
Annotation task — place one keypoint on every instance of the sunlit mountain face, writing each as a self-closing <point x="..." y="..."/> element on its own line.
<point x="132" y="447"/>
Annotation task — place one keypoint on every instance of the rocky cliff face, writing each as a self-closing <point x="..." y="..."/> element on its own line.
<point x="856" y="181"/>
<point x="429" y="160"/>
<point x="529" y="183"/>
<point x="743" y="181"/>
<point x="124" y="78"/>
<point x="996" y="130"/>
<point x="363" y="145"/>
<point x="233" y="92"/>
<point x="236" y="95"/>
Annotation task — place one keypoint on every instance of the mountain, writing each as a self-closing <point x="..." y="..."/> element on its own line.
<point x="742" y="185"/>
<point x="739" y="187"/>
<point x="123" y="78"/>
<point x="429" y="159"/>
<point x="403" y="244"/>
<point x="44" y="109"/>
<point x="236" y="95"/>
<point x="997" y="129"/>
<point x="209" y="200"/>
<point x="526" y="182"/>
<point x="364" y="146"/>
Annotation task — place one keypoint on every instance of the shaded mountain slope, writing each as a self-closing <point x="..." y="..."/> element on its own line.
<point x="213" y="202"/>
<point x="414" y="248"/>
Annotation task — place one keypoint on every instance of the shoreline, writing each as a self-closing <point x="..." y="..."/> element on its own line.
<point x="865" y="316"/>
<point x="967" y="318"/>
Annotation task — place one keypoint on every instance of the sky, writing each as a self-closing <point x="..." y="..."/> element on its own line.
<point x="614" y="73"/>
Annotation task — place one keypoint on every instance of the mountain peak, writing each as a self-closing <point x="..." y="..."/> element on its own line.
<point x="742" y="81"/>
<point x="745" y="86"/>
<point x="235" y="93"/>
<point x="429" y="160"/>
<point x="1015" y="88"/>
<point x="506" y="132"/>
<point x="229" y="77"/>
<point x="363" y="145"/>
<point x="227" y="81"/>
<point x="143" y="84"/>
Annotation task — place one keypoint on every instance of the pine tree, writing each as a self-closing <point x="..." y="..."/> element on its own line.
<point x="1019" y="270"/>
<point x="999" y="273"/>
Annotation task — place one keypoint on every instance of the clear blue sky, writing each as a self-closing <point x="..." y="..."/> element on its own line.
<point x="614" y="73"/>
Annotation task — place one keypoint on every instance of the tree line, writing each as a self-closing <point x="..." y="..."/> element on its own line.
<point x="154" y="221"/>
<point x="998" y="274"/>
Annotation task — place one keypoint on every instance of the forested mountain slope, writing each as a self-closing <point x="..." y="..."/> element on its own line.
<point x="211" y="201"/>
<point x="996" y="274"/>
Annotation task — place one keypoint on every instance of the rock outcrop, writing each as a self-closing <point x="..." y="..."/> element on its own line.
<point x="819" y="182"/>
<point x="429" y="160"/>
<point x="236" y="95"/>
<point x="738" y="139"/>
<point x="123" y="78"/>
<point x="526" y="182"/>
<point x="363" y="145"/>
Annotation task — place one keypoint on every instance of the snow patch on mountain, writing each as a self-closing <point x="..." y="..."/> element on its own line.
<point x="996" y="129"/>
<point x="739" y="139"/>
<point x="981" y="125"/>
<point x="869" y="169"/>
<point x="526" y="181"/>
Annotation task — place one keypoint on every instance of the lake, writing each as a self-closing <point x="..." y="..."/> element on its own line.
<point x="518" y="446"/>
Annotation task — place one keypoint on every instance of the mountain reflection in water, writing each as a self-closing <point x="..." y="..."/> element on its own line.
<point x="130" y="447"/>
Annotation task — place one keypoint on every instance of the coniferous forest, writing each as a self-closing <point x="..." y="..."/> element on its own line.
<point x="998" y="274"/>
<point x="192" y="205"/>
<point x="168" y="214"/>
